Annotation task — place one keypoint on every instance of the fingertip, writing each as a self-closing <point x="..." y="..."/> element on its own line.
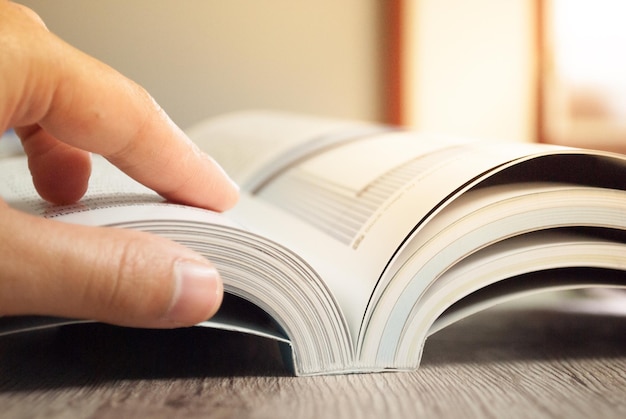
<point x="60" y="172"/>
<point x="209" y="187"/>
<point x="198" y="293"/>
<point x="64" y="182"/>
<point x="227" y="195"/>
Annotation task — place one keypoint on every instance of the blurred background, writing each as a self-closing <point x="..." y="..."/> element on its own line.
<point x="523" y="70"/>
<point x="204" y="57"/>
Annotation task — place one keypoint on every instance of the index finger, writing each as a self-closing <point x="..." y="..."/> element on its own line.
<point x="88" y="105"/>
<point x="99" y="110"/>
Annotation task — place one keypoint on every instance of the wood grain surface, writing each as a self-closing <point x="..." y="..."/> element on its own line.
<point x="500" y="363"/>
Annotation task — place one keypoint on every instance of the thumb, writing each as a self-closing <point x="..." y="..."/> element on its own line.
<point x="111" y="275"/>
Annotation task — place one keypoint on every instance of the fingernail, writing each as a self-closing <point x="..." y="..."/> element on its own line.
<point x="198" y="292"/>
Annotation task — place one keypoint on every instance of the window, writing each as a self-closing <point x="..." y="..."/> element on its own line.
<point x="583" y="73"/>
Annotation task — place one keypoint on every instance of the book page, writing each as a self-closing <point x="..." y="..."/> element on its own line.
<point x="345" y="196"/>
<point x="113" y="198"/>
<point x="530" y="254"/>
<point x="255" y="146"/>
<point x="253" y="268"/>
<point x="18" y="191"/>
<point x="479" y="219"/>
<point x="369" y="195"/>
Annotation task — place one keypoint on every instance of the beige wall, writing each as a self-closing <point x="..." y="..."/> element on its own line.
<point x="470" y="67"/>
<point x="203" y="57"/>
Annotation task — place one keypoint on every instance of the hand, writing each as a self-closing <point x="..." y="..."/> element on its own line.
<point x="64" y="104"/>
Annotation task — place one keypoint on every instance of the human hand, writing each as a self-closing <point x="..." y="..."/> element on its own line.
<point x="64" y="104"/>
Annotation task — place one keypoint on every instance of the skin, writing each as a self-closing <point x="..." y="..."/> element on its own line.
<point x="65" y="105"/>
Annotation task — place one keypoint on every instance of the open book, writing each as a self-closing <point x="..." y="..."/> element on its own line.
<point x="353" y="242"/>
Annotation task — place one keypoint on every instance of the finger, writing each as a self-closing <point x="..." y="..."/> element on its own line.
<point x="90" y="106"/>
<point x="127" y="127"/>
<point x="60" y="172"/>
<point x="111" y="275"/>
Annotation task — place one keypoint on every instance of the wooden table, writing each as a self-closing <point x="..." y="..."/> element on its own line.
<point x="511" y="362"/>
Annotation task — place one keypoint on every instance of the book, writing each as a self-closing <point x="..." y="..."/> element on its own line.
<point x="354" y="241"/>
